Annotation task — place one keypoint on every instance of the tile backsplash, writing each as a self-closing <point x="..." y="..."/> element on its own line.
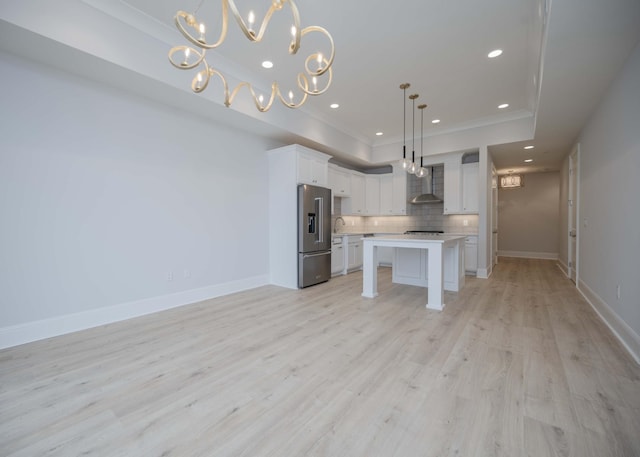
<point x="420" y="217"/>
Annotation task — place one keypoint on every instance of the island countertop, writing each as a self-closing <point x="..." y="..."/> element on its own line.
<point x="419" y="237"/>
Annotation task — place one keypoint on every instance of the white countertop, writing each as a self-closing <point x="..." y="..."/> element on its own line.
<point x="416" y="237"/>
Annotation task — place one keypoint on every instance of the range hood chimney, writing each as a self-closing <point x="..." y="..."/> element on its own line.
<point x="426" y="198"/>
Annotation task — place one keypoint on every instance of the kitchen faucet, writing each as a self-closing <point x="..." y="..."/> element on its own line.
<point x="335" y="224"/>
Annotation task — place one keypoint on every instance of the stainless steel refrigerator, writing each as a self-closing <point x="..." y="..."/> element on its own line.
<point x="314" y="235"/>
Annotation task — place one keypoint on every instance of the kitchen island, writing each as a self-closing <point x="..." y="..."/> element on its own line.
<point x="444" y="263"/>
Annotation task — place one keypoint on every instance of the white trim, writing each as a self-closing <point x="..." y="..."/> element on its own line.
<point x="61" y="325"/>
<point x="529" y="254"/>
<point x="563" y="267"/>
<point x="483" y="273"/>
<point x="625" y="334"/>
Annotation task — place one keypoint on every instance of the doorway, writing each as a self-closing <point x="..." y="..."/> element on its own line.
<point x="573" y="207"/>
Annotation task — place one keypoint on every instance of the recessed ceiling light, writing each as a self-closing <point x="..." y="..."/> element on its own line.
<point x="528" y="147"/>
<point x="267" y="64"/>
<point x="528" y="160"/>
<point x="334" y="105"/>
<point x="379" y="133"/>
<point x="494" y="53"/>
<point x="503" y="106"/>
<point x="435" y="121"/>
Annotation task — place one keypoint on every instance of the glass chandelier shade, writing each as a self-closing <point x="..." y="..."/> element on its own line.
<point x="193" y="55"/>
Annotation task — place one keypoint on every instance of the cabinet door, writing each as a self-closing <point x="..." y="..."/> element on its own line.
<point x="452" y="186"/>
<point x="470" y="187"/>
<point x="339" y="182"/>
<point x="399" y="203"/>
<point x="337" y="259"/>
<point x="304" y="170"/>
<point x="311" y="170"/>
<point x="471" y="254"/>
<point x="354" y="205"/>
<point x="319" y="172"/>
<point x="386" y="194"/>
<point x="358" y="251"/>
<point x="372" y="195"/>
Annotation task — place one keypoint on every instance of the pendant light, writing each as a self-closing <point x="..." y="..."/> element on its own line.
<point x="413" y="168"/>
<point x="421" y="172"/>
<point x="405" y="163"/>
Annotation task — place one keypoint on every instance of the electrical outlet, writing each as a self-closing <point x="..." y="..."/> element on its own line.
<point x="618" y="291"/>
<point x="169" y="276"/>
<point x="465" y="222"/>
<point x="187" y="273"/>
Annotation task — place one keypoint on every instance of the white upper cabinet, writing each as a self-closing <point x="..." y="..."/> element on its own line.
<point x="400" y="193"/>
<point x="355" y="204"/>
<point x="461" y="186"/>
<point x="339" y="181"/>
<point x="393" y="194"/>
<point x="312" y="167"/>
<point x="452" y="185"/>
<point x="372" y="195"/>
<point x="386" y="194"/>
<point x="470" y="187"/>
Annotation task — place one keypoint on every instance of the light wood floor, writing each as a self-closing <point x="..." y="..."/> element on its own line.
<point x="516" y="365"/>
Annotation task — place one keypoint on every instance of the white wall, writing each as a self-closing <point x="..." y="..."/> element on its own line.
<point x="529" y="217"/>
<point x="103" y="193"/>
<point x="609" y="239"/>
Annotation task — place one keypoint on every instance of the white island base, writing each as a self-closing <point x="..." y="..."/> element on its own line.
<point x="443" y="258"/>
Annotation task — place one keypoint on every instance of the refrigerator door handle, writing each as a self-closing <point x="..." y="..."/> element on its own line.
<point x="318" y="254"/>
<point x="319" y="211"/>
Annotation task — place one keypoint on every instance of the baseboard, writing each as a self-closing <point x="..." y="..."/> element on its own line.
<point x="483" y="273"/>
<point x="529" y="255"/>
<point x="60" y="325"/>
<point x="625" y="334"/>
<point x="563" y="266"/>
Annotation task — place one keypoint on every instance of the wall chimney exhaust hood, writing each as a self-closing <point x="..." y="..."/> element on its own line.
<point x="429" y="197"/>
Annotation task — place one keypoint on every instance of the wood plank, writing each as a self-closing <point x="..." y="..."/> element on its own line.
<point x="516" y="365"/>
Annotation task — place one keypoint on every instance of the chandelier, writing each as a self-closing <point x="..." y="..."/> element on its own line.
<point x="511" y="181"/>
<point x="189" y="57"/>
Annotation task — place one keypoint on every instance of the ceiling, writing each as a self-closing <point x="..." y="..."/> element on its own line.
<point x="558" y="59"/>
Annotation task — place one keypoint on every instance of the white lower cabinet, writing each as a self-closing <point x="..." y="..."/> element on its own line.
<point x="354" y="252"/>
<point x="337" y="259"/>
<point x="471" y="254"/>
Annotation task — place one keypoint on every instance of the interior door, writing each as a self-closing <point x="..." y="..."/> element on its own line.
<point x="494" y="217"/>
<point x="573" y="214"/>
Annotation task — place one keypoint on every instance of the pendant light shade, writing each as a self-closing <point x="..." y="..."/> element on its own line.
<point x="421" y="172"/>
<point x="413" y="167"/>
<point x="405" y="163"/>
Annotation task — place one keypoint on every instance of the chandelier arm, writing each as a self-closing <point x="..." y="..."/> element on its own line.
<point x="236" y="90"/>
<point x="191" y="21"/>
<point x="251" y="35"/>
<point x="184" y="65"/>
<point x="214" y="72"/>
<point x="305" y="88"/>
<point x="289" y="104"/>
<point x="327" y="62"/>
<point x="256" y="99"/>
